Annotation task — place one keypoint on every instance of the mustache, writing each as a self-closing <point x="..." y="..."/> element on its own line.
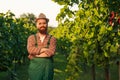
<point x="42" y="27"/>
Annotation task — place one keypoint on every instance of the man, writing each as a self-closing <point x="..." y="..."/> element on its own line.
<point x="41" y="48"/>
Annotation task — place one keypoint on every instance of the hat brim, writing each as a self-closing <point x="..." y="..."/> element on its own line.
<point x="41" y="18"/>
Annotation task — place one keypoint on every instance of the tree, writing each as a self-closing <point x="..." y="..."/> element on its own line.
<point x="13" y="35"/>
<point x="29" y="16"/>
<point x="94" y="40"/>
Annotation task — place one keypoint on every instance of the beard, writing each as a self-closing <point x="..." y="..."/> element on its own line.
<point x="42" y="30"/>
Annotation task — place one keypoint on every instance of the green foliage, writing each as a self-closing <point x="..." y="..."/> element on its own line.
<point x="92" y="39"/>
<point x="13" y="40"/>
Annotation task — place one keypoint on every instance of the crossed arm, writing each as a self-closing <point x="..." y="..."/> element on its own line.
<point x="40" y="51"/>
<point x="43" y="53"/>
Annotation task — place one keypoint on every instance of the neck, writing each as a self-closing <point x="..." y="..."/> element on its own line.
<point x="42" y="35"/>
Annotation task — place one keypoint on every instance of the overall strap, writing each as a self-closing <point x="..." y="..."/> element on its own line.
<point x="48" y="43"/>
<point x="36" y="45"/>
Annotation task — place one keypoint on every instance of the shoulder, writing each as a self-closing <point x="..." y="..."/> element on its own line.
<point x="51" y="36"/>
<point x="31" y="36"/>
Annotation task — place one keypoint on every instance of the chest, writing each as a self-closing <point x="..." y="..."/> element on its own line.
<point x="42" y="42"/>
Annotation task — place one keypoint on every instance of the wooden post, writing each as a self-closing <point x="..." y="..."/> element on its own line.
<point x="118" y="62"/>
<point x="93" y="71"/>
<point x="119" y="70"/>
<point x="107" y="73"/>
<point x="107" y="70"/>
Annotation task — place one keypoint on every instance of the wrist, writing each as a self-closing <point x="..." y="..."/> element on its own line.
<point x="39" y="52"/>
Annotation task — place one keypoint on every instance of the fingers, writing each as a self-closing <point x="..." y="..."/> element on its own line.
<point x="43" y="50"/>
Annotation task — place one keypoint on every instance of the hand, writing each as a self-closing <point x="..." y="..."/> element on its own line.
<point x="42" y="55"/>
<point x="43" y="50"/>
<point x="30" y="56"/>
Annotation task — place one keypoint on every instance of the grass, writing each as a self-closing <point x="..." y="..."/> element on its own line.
<point x="60" y="65"/>
<point x="22" y="73"/>
<point x="3" y="76"/>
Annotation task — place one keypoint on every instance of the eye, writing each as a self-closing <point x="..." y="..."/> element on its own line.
<point x="39" y="23"/>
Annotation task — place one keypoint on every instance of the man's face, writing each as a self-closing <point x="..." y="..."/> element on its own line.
<point x="42" y="25"/>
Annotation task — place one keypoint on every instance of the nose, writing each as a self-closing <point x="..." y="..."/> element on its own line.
<point x="42" y="24"/>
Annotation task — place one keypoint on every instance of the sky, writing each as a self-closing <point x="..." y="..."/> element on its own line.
<point x="18" y="7"/>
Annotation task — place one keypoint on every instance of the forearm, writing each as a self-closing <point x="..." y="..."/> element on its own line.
<point x="48" y="51"/>
<point x="34" y="50"/>
<point x="42" y="55"/>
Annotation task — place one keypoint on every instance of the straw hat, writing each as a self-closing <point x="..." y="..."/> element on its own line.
<point x="42" y="16"/>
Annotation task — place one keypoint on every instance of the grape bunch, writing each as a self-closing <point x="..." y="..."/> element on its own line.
<point x="114" y="18"/>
